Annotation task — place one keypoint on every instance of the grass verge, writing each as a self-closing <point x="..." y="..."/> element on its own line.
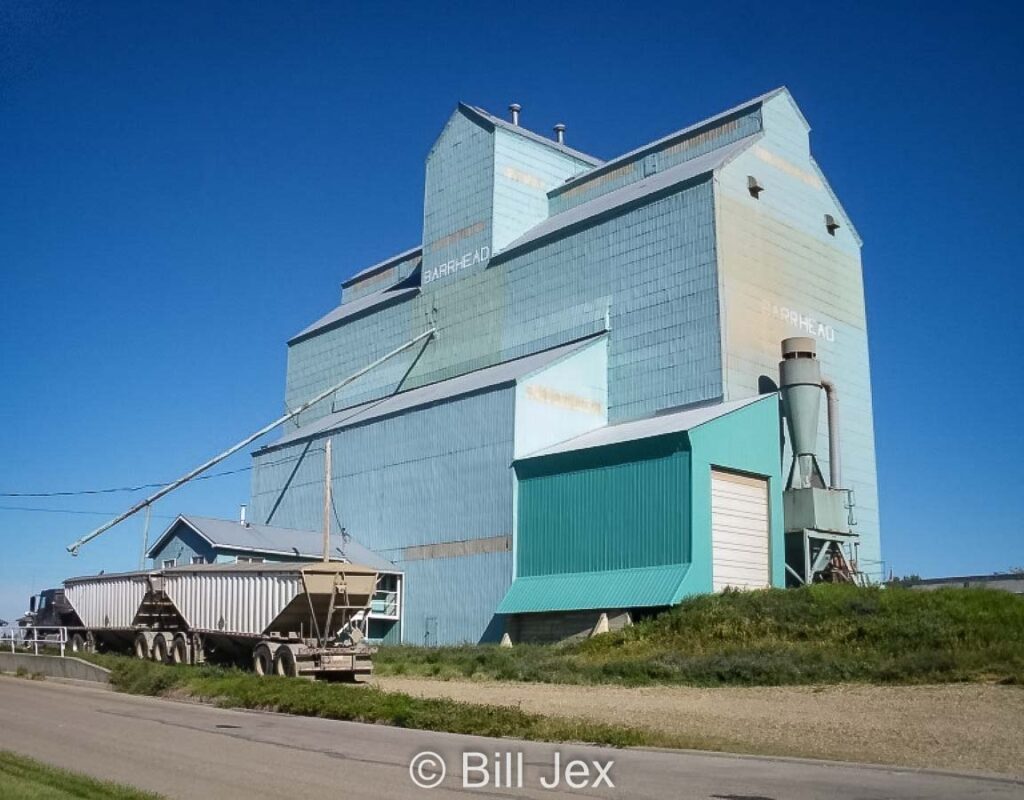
<point x="813" y="635"/>
<point x="24" y="778"/>
<point x="231" y="688"/>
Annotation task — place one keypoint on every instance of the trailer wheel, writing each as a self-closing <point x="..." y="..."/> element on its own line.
<point x="284" y="662"/>
<point x="77" y="643"/>
<point x="179" y="650"/>
<point x="141" y="647"/>
<point x="262" y="660"/>
<point x="160" y="649"/>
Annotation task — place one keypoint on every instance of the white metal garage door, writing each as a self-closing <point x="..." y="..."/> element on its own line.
<point x="739" y="531"/>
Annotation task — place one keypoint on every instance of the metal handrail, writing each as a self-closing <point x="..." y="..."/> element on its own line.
<point x="18" y="637"/>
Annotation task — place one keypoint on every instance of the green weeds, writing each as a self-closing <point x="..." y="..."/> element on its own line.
<point x="817" y="634"/>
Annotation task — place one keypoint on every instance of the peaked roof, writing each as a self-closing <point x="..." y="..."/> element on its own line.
<point x="380" y="266"/>
<point x="637" y="190"/>
<point x="649" y="427"/>
<point x="488" y="377"/>
<point x="346" y="310"/>
<point x="683" y="132"/>
<point x="498" y="122"/>
<point x="272" y="540"/>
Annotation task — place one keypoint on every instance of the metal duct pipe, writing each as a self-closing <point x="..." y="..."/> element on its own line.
<point x="835" y="467"/>
<point x="514" y="109"/>
<point x="560" y="133"/>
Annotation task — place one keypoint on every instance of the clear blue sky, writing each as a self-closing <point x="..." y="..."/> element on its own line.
<point x="184" y="186"/>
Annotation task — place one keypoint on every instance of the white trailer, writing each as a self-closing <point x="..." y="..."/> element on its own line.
<point x="290" y="619"/>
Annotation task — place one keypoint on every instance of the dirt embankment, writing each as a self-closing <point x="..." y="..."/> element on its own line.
<point x="953" y="727"/>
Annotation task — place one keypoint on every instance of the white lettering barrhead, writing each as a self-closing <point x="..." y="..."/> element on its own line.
<point x="805" y="323"/>
<point x="478" y="256"/>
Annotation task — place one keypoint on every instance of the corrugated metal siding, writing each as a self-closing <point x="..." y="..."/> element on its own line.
<point x="435" y="474"/>
<point x="668" y="154"/>
<point x="458" y="197"/>
<point x="247" y="602"/>
<point x="524" y="172"/>
<point x="460" y="595"/>
<point x="649" y="270"/>
<point x="608" y="508"/>
<point x="107" y="602"/>
<point x="784" y="275"/>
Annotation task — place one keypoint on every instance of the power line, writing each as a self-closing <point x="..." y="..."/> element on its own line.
<point x="116" y="489"/>
<point x="82" y="492"/>
<point x="73" y="511"/>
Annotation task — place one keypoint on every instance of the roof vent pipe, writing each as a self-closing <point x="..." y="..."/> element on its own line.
<point x="560" y="133"/>
<point x="515" y="108"/>
<point x="241" y="514"/>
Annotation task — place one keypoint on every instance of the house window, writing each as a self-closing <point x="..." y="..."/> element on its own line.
<point x="168" y="563"/>
<point x="198" y="560"/>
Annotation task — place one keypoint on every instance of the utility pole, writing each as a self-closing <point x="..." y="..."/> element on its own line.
<point x="327" y="499"/>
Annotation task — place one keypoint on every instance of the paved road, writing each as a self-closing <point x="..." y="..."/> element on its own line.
<point x="189" y="751"/>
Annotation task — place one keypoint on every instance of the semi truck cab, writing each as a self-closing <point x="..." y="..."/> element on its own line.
<point x="49" y="609"/>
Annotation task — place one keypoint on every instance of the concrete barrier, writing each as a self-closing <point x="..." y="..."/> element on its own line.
<point x="54" y="667"/>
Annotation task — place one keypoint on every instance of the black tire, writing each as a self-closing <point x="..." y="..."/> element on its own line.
<point x="160" y="649"/>
<point x="76" y="644"/>
<point x="285" y="664"/>
<point x="179" y="650"/>
<point x="262" y="660"/>
<point x="141" y="647"/>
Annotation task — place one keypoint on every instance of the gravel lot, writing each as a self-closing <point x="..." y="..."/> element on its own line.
<point x="952" y="727"/>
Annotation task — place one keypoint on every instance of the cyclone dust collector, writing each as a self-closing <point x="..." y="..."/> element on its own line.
<point x="820" y="543"/>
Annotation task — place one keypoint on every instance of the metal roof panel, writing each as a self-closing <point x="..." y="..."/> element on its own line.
<point x="632" y="192"/>
<point x="649" y="427"/>
<point x="506" y="372"/>
<point x="380" y="265"/>
<point x="577" y="591"/>
<point x="346" y="310"/>
<point x="528" y="134"/>
<point x="268" y="539"/>
<point x="612" y="163"/>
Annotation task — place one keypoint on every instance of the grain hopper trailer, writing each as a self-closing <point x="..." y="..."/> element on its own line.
<point x="299" y="619"/>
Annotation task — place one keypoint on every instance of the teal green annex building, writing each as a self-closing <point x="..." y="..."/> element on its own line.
<point x="591" y="431"/>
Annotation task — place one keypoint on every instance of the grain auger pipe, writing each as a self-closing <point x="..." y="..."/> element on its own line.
<point x="170" y="487"/>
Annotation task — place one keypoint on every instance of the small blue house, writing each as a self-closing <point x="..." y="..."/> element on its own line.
<point x="204" y="540"/>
